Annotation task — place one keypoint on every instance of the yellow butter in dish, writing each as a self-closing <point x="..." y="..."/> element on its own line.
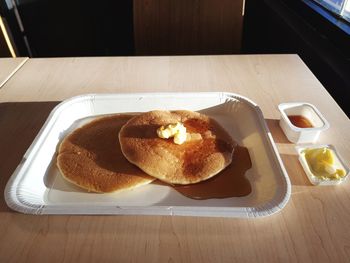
<point x="322" y="164"/>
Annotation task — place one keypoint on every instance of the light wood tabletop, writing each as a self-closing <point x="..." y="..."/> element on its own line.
<point x="313" y="227"/>
<point x="8" y="66"/>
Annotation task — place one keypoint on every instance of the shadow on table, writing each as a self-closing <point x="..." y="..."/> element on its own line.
<point x="276" y="131"/>
<point x="20" y="122"/>
<point x="295" y="171"/>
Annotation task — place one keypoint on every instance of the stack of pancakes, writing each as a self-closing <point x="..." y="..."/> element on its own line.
<point x="121" y="151"/>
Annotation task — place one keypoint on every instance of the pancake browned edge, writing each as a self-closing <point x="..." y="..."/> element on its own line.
<point x="188" y="163"/>
<point x="90" y="157"/>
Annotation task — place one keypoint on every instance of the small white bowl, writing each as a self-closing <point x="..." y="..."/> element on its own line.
<point x="314" y="179"/>
<point x="307" y="110"/>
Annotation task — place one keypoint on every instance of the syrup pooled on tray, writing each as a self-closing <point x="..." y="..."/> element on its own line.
<point x="231" y="182"/>
<point x="300" y="121"/>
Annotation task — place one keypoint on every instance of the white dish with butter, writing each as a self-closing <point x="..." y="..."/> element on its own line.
<point x="36" y="187"/>
<point x="322" y="164"/>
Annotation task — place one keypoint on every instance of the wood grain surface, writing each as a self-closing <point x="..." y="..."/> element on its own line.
<point x="313" y="227"/>
<point x="184" y="27"/>
<point x="8" y="66"/>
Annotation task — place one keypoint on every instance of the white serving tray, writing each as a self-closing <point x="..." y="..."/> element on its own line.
<point x="36" y="186"/>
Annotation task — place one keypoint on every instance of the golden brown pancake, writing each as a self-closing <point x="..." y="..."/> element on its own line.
<point x="91" y="157"/>
<point x="188" y="163"/>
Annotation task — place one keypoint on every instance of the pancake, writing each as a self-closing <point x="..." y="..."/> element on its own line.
<point x="91" y="158"/>
<point x="187" y="163"/>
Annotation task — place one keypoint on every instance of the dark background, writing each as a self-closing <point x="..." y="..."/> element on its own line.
<point x="106" y="28"/>
<point x="71" y="27"/>
<point x="289" y="26"/>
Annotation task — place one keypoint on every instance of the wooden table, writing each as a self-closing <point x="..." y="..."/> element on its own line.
<point x="8" y="67"/>
<point x="313" y="227"/>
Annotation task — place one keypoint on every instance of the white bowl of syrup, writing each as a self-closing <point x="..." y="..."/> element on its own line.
<point x="301" y="122"/>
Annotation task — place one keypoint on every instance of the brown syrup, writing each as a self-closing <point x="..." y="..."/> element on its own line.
<point x="231" y="182"/>
<point x="198" y="151"/>
<point x="92" y="158"/>
<point x="300" y="121"/>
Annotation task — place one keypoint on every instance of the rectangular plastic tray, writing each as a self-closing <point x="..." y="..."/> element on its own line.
<point x="36" y="186"/>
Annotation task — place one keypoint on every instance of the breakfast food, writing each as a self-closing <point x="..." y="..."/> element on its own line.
<point x="91" y="157"/>
<point x="323" y="163"/>
<point x="148" y="141"/>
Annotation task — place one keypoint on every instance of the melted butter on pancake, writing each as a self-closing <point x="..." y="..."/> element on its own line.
<point x="178" y="132"/>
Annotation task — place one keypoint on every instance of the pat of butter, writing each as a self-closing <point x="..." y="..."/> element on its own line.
<point x="180" y="137"/>
<point x="177" y="130"/>
<point x="322" y="164"/>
